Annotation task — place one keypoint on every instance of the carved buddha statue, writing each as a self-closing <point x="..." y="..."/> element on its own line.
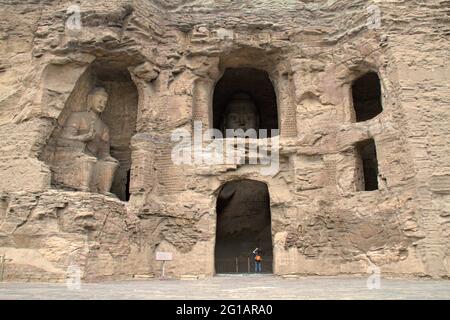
<point x="240" y="113"/>
<point x="82" y="158"/>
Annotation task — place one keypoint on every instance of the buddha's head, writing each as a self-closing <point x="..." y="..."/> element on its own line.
<point x="241" y="113"/>
<point x="97" y="99"/>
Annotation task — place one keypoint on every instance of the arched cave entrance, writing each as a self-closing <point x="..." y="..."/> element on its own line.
<point x="243" y="224"/>
<point x="257" y="89"/>
<point x="366" y="94"/>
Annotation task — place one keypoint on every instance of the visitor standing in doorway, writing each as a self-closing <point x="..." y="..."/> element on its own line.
<point x="258" y="260"/>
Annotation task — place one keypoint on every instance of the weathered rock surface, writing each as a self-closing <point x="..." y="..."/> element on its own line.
<point x="161" y="60"/>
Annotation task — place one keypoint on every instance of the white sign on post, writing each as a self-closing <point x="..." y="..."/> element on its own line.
<point x="163" y="256"/>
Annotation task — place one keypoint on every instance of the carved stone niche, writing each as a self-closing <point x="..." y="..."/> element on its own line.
<point x="244" y="98"/>
<point x="89" y="149"/>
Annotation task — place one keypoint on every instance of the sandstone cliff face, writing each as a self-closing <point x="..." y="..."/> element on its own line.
<point x="163" y="59"/>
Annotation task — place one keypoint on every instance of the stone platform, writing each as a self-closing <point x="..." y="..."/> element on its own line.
<point x="241" y="287"/>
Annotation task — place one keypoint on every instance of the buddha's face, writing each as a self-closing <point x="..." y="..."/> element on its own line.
<point x="98" y="102"/>
<point x="241" y="115"/>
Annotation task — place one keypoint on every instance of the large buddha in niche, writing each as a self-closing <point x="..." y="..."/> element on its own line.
<point x="82" y="158"/>
<point x="240" y="113"/>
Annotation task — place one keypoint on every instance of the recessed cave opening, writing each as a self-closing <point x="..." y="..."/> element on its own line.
<point x="243" y="224"/>
<point x="366" y="93"/>
<point x="367" y="165"/>
<point x="127" y="187"/>
<point x="245" y="98"/>
<point x="71" y="160"/>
